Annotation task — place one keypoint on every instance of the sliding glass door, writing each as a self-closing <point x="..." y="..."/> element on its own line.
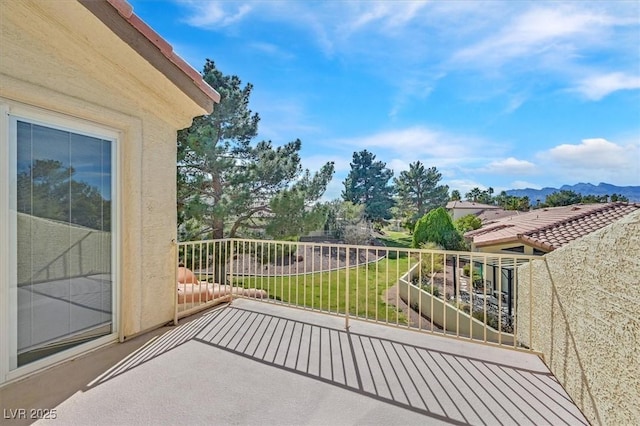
<point x="62" y="243"/>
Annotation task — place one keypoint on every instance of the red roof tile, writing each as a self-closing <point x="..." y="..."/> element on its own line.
<point x="551" y="228"/>
<point x="164" y="59"/>
<point x="469" y="205"/>
<point x="126" y="11"/>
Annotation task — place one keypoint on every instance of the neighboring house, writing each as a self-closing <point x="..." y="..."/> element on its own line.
<point x="91" y="101"/>
<point x="584" y="316"/>
<point x="458" y="209"/>
<point x="539" y="232"/>
<point x="490" y="216"/>
<point x="544" y="230"/>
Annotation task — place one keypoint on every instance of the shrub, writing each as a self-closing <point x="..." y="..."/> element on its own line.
<point x="356" y="235"/>
<point x="477" y="276"/>
<point x="464" y="307"/>
<point x="437" y="227"/>
<point x="429" y="267"/>
<point x="275" y="252"/>
<point x="490" y="319"/>
<point x="467" y="223"/>
<point x="435" y="291"/>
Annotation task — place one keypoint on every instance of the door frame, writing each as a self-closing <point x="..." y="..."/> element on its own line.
<point x="10" y="111"/>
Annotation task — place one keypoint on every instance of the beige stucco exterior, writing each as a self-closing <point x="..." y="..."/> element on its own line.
<point x="459" y="209"/>
<point x="585" y="320"/>
<point x="59" y="58"/>
<point x="502" y="248"/>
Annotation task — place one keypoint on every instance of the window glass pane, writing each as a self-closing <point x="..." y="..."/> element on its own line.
<point x="63" y="242"/>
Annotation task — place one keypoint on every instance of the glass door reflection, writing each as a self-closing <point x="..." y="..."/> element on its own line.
<point x="63" y="241"/>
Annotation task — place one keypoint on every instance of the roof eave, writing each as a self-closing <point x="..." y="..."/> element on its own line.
<point x="536" y="243"/>
<point x="517" y="239"/>
<point x="119" y="17"/>
<point x="505" y="240"/>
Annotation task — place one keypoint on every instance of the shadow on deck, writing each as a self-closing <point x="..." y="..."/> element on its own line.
<point x="258" y="363"/>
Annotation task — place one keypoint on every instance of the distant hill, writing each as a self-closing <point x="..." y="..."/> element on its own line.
<point x="631" y="192"/>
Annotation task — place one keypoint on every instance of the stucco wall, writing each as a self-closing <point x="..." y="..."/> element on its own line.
<point x="502" y="248"/>
<point x="59" y="57"/>
<point x="585" y="320"/>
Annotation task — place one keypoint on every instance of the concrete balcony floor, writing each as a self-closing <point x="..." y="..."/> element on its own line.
<point x="266" y="364"/>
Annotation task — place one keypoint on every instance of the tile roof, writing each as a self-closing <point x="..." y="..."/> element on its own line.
<point x="145" y="32"/>
<point x="493" y="215"/>
<point x="551" y="228"/>
<point x="469" y="205"/>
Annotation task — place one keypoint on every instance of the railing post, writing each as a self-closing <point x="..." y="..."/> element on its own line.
<point x="176" y="249"/>
<point x="346" y="296"/>
<point x="231" y="264"/>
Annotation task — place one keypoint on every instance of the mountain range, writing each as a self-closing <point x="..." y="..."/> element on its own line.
<point x="631" y="192"/>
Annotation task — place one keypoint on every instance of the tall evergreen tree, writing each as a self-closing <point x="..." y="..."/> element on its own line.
<point x="227" y="185"/>
<point x="419" y="191"/>
<point x="368" y="183"/>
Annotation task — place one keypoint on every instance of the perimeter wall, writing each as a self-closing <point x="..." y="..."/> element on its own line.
<point x="585" y="320"/>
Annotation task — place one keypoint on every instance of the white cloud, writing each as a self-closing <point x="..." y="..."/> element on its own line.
<point x="535" y="32"/>
<point x="593" y="153"/>
<point x="284" y="120"/>
<point x="463" y="185"/>
<point x="555" y="40"/>
<point x="515" y="101"/>
<point x="397" y="166"/>
<point x="387" y="14"/>
<point x="315" y="162"/>
<point x="597" y="87"/>
<point x="418" y="141"/>
<point x="510" y="166"/>
<point x="334" y="190"/>
<point x="595" y="160"/>
<point x="555" y="45"/>
<point x="272" y="50"/>
<point x="412" y="86"/>
<point x="216" y="14"/>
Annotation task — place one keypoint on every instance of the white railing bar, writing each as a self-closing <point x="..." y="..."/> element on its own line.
<point x="346" y="295"/>
<point x="203" y="258"/>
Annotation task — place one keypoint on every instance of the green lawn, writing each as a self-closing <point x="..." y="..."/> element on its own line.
<point x="396" y="239"/>
<point x="326" y="290"/>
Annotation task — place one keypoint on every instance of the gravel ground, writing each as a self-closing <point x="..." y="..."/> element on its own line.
<point x="306" y="259"/>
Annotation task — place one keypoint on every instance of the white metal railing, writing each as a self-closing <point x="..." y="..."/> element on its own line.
<point x="467" y="295"/>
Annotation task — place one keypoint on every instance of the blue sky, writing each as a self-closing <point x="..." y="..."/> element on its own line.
<point x="507" y="94"/>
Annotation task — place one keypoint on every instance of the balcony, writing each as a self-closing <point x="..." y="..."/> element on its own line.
<point x="330" y="334"/>
<point x="252" y="362"/>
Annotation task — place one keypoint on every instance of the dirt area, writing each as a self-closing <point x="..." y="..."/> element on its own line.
<point x="392" y="299"/>
<point x="305" y="259"/>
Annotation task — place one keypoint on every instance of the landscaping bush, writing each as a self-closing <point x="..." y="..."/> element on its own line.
<point x="274" y="252"/>
<point x="356" y="235"/>
<point x="437" y="227"/>
<point x="435" y="291"/>
<point x="490" y="319"/>
<point x="428" y="268"/>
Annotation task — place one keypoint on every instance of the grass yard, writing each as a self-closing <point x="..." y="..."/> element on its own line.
<point x="326" y="290"/>
<point x="396" y="239"/>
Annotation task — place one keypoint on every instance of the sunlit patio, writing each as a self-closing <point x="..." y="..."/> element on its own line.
<point x="257" y="363"/>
